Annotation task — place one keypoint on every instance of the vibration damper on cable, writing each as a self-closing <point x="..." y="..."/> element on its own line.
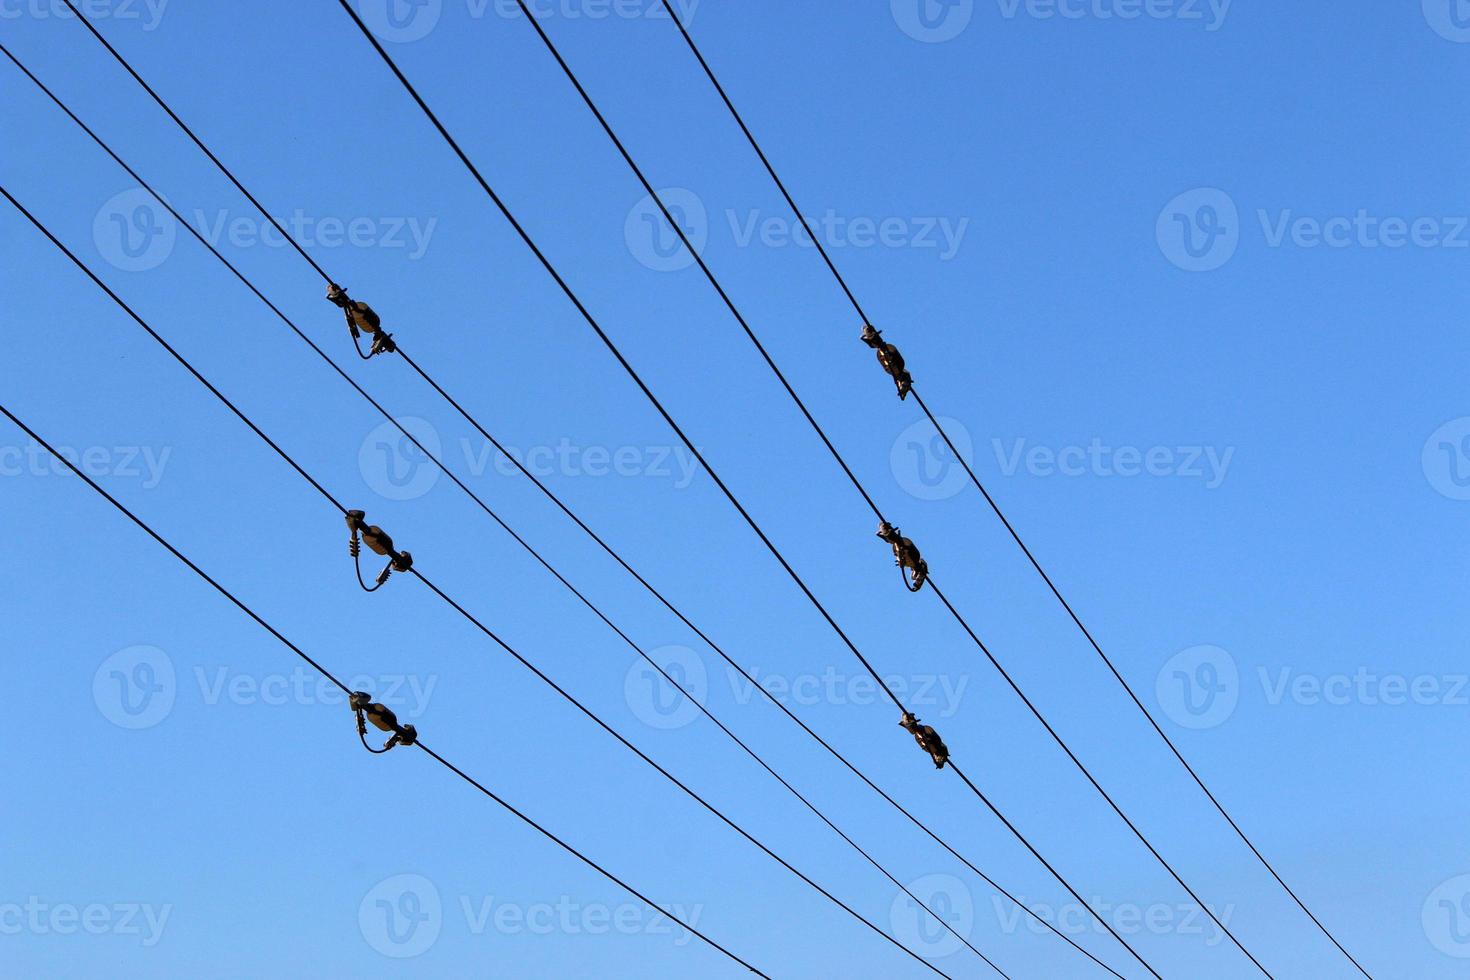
<point x="914" y="568"/>
<point x="379" y="543"/>
<point x="384" y="720"/>
<point x="927" y="738"/>
<point x="889" y="359"/>
<point x="361" y="320"/>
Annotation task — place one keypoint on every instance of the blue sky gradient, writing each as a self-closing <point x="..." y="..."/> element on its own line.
<point x="1186" y="276"/>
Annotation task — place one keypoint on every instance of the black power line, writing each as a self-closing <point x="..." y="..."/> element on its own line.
<point x="637" y="379"/>
<point x="567" y="696"/>
<point x="329" y="676"/>
<point x="545" y="490"/>
<point x="607" y="341"/>
<point x="491" y="513"/>
<point x="1050" y="584"/>
<point x="846" y="469"/>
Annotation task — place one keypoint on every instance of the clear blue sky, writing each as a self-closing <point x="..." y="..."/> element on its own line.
<point x="1191" y="282"/>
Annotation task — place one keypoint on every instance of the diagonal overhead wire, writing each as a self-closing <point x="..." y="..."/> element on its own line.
<point x="995" y="507"/>
<point x="750" y="334"/>
<point x="544" y="678"/>
<point x="261" y="621"/>
<point x="648" y="393"/>
<point x="1043" y="922"/>
<point x="940" y="920"/>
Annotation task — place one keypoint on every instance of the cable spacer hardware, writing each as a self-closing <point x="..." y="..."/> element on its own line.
<point x="913" y="567"/>
<point x="361" y="320"/>
<point x="383" y="719"/>
<point x="927" y="738"/>
<point x="379" y="543"/>
<point x="889" y="359"/>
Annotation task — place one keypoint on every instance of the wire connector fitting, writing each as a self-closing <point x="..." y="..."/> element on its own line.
<point x="889" y="359"/>
<point x="384" y="720"/>
<point x="379" y="543"/>
<point x="361" y="320"/>
<point x="913" y="567"/>
<point x="927" y="738"/>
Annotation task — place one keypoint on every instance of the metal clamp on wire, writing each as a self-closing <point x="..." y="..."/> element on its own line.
<point x="383" y="719"/>
<point x="890" y="360"/>
<point x="361" y="320"/>
<point x="380" y="543"/>
<point x="927" y="738"/>
<point x="913" y="567"/>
